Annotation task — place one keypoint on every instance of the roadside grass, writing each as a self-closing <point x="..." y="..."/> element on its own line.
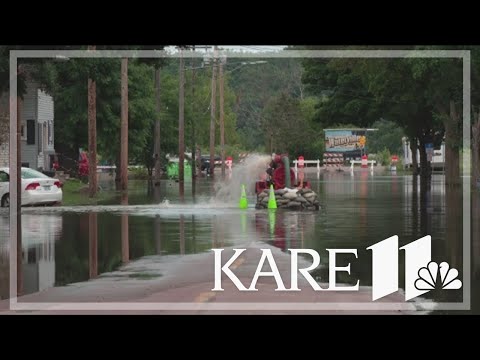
<point x="75" y="192"/>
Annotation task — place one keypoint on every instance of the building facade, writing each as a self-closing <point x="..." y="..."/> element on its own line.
<point x="37" y="129"/>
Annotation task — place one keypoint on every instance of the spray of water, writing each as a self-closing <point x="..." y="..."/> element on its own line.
<point x="228" y="191"/>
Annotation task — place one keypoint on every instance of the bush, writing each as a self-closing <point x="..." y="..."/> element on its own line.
<point x="399" y="163"/>
<point x="384" y="157"/>
<point x="388" y="136"/>
<point x="140" y="173"/>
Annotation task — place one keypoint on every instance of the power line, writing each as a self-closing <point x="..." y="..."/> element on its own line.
<point x="353" y="93"/>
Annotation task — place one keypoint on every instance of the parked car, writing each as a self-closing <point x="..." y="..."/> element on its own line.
<point x="37" y="188"/>
<point x="205" y="162"/>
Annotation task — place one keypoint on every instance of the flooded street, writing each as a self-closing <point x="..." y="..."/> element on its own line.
<point x="65" y="245"/>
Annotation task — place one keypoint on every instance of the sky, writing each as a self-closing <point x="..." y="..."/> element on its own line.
<point x="240" y="48"/>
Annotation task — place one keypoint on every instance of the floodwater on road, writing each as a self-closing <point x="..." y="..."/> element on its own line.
<point x="64" y="245"/>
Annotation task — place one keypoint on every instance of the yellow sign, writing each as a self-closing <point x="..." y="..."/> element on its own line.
<point x="362" y="140"/>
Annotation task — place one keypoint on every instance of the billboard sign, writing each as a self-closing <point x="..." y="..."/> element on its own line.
<point x="345" y="141"/>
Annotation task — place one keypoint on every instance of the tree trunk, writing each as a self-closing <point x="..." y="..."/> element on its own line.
<point x="212" y="118"/>
<point x="92" y="134"/>
<point x="222" y="118"/>
<point x="181" y="127"/>
<point x="452" y="156"/>
<point x="413" y="148"/>
<point x="425" y="167"/>
<point x="192" y="128"/>
<point x="157" y="128"/>
<point x="124" y="126"/>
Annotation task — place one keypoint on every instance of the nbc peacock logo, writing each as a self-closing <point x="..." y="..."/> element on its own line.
<point x="434" y="276"/>
<point x="421" y="274"/>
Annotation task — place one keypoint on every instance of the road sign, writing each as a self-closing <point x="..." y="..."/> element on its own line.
<point x="429" y="151"/>
<point x="301" y="161"/>
<point x="229" y="162"/>
<point x="362" y="140"/>
<point x="364" y="161"/>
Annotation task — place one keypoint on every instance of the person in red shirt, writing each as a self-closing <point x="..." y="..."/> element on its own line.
<point x="279" y="174"/>
<point x="83" y="164"/>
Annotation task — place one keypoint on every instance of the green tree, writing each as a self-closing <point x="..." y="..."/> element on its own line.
<point x="288" y="128"/>
<point x="343" y="96"/>
<point x="255" y="84"/>
<point x="197" y="109"/>
<point x="387" y="136"/>
<point x="66" y="82"/>
<point x="361" y="91"/>
<point x="69" y="91"/>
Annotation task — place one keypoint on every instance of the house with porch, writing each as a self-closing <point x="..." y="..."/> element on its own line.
<point x="37" y="129"/>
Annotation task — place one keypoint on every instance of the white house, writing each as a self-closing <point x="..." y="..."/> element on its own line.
<point x="4" y="130"/>
<point x="37" y="129"/>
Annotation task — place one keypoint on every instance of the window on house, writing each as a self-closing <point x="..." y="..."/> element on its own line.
<point x="50" y="133"/>
<point x="30" y="132"/>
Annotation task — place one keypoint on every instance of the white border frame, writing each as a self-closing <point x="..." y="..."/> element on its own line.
<point x="302" y="306"/>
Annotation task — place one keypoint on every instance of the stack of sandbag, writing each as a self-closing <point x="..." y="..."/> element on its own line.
<point x="294" y="199"/>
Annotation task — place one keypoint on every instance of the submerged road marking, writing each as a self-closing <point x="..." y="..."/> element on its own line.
<point x="204" y="297"/>
<point x="237" y="263"/>
<point x="209" y="295"/>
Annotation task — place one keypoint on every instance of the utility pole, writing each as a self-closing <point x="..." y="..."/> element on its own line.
<point x="181" y="126"/>
<point x="213" y="113"/>
<point x="92" y="133"/>
<point x="157" y="128"/>
<point x="124" y="126"/>
<point x="194" y="145"/>
<point x="222" y="117"/>
<point x="196" y="161"/>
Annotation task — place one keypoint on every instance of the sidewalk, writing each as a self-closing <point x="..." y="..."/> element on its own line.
<point x="183" y="285"/>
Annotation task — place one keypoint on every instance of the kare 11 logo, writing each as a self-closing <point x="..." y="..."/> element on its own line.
<point x="421" y="273"/>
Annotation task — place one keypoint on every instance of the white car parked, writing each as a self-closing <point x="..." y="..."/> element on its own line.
<point x="37" y="188"/>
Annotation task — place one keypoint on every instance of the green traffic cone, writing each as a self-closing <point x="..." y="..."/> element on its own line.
<point x="272" y="203"/>
<point x="243" y="199"/>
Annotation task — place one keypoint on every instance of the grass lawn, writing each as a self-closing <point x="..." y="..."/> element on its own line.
<point x="75" y="192"/>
